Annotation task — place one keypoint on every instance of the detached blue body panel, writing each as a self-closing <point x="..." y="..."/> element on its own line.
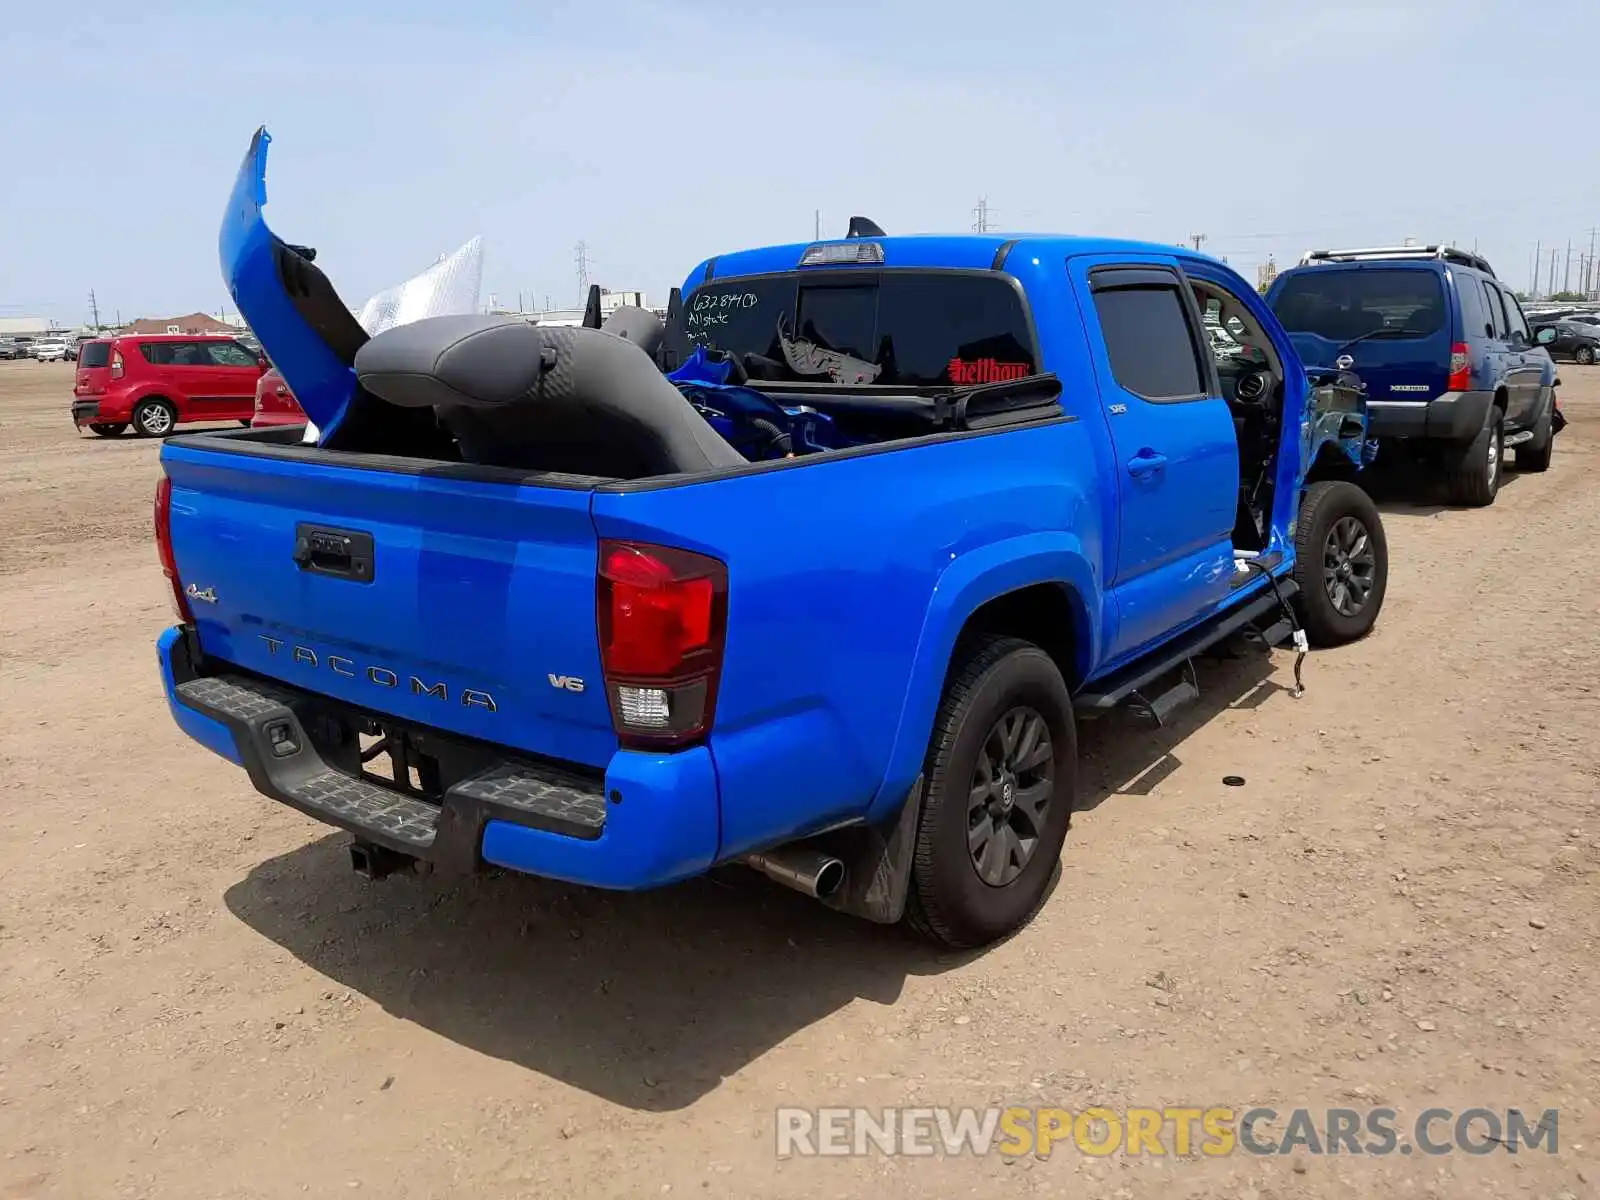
<point x="851" y="573"/>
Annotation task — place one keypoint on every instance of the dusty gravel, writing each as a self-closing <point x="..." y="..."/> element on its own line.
<point x="198" y="999"/>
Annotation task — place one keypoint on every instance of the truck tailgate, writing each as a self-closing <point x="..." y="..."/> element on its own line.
<point x="460" y="604"/>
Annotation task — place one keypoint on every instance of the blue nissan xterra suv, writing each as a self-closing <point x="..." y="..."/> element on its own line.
<point x="1453" y="373"/>
<point x="815" y="576"/>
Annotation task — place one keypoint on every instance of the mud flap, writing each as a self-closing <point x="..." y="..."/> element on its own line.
<point x="877" y="861"/>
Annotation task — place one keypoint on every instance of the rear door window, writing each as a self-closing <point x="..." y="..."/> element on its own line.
<point x="906" y="329"/>
<point x="94" y="354"/>
<point x="1517" y="322"/>
<point x="157" y="354"/>
<point x="1497" y="312"/>
<point x="1150" y="342"/>
<point x="1344" y="304"/>
<point x="1474" y="319"/>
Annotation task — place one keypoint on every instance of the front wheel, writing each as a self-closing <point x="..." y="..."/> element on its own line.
<point x="1341" y="563"/>
<point x="1584" y="355"/>
<point x="1000" y="783"/>
<point x="1474" y="476"/>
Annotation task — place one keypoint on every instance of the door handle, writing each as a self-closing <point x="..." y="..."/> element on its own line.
<point x="1145" y="462"/>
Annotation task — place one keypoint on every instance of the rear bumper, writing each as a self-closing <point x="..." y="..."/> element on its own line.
<point x="1454" y="416"/>
<point x="652" y="819"/>
<point x="110" y="409"/>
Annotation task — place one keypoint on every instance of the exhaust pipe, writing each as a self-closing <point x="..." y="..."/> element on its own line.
<point x="815" y="874"/>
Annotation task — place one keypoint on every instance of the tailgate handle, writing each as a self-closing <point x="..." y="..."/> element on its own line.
<point x="342" y="553"/>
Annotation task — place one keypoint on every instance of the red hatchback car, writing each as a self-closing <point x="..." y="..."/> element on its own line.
<point x="275" y="403"/>
<point x="156" y="382"/>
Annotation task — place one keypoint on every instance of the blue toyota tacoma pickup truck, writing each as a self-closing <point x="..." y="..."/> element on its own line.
<point x="815" y="576"/>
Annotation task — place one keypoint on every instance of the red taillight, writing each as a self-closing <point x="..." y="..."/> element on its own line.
<point x="1460" y="369"/>
<point x="663" y="615"/>
<point x="169" y="565"/>
<point x="116" y="364"/>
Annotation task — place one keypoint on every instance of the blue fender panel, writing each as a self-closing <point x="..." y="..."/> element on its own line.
<point x="965" y="586"/>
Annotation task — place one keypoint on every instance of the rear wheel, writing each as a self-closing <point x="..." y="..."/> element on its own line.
<point x="1000" y="783"/>
<point x="1474" y="477"/>
<point x="107" y="430"/>
<point x="1341" y="563"/>
<point x="154" y="418"/>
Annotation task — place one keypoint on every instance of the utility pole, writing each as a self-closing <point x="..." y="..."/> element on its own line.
<point x="1566" y="276"/>
<point x="818" y="225"/>
<point x="1538" y="261"/>
<point x="582" y="259"/>
<point x="94" y="308"/>
<point x="1593" y="283"/>
<point x="1198" y="239"/>
<point x="981" y="215"/>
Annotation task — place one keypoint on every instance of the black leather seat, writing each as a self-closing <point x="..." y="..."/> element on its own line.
<point x="539" y="398"/>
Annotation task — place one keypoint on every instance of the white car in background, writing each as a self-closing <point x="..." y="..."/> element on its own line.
<point x="50" y="350"/>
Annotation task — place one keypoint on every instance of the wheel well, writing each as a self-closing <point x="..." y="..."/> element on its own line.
<point x="1050" y="615"/>
<point x="1501" y="399"/>
<point x="157" y="398"/>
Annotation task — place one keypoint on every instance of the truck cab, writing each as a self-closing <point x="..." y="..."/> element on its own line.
<point x="816" y="577"/>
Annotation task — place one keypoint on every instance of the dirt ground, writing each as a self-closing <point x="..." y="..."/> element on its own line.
<point x="1398" y="908"/>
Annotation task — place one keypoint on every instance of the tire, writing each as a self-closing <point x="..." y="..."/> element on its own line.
<point x="1473" y="478"/>
<point x="1535" y="455"/>
<point x="245" y="421"/>
<point x="1341" y="563"/>
<point x="108" y="429"/>
<point x="1003" y="696"/>
<point x="1584" y="356"/>
<point x="154" y="418"/>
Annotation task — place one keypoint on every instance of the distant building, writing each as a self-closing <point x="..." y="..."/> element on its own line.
<point x="1265" y="274"/>
<point x="197" y="322"/>
<point x="26" y="326"/>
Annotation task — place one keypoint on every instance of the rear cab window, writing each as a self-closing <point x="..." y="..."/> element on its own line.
<point x="1345" y="303"/>
<point x="906" y="329"/>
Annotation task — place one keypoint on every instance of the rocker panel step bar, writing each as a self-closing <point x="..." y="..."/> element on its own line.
<point x="1107" y="693"/>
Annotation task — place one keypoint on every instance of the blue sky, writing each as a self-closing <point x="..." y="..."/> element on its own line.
<point x="661" y="131"/>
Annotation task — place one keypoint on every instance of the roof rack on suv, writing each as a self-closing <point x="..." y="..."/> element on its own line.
<point x="1445" y="253"/>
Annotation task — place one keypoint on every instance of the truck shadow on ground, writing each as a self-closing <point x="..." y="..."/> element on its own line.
<point x="647" y="1000"/>
<point x="1124" y="755"/>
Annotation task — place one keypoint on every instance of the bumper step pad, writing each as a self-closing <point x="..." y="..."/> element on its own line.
<point x="260" y="715"/>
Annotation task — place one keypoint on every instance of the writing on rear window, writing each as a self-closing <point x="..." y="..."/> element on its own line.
<point x="711" y="309"/>
<point x="905" y="328"/>
<point x="986" y="370"/>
